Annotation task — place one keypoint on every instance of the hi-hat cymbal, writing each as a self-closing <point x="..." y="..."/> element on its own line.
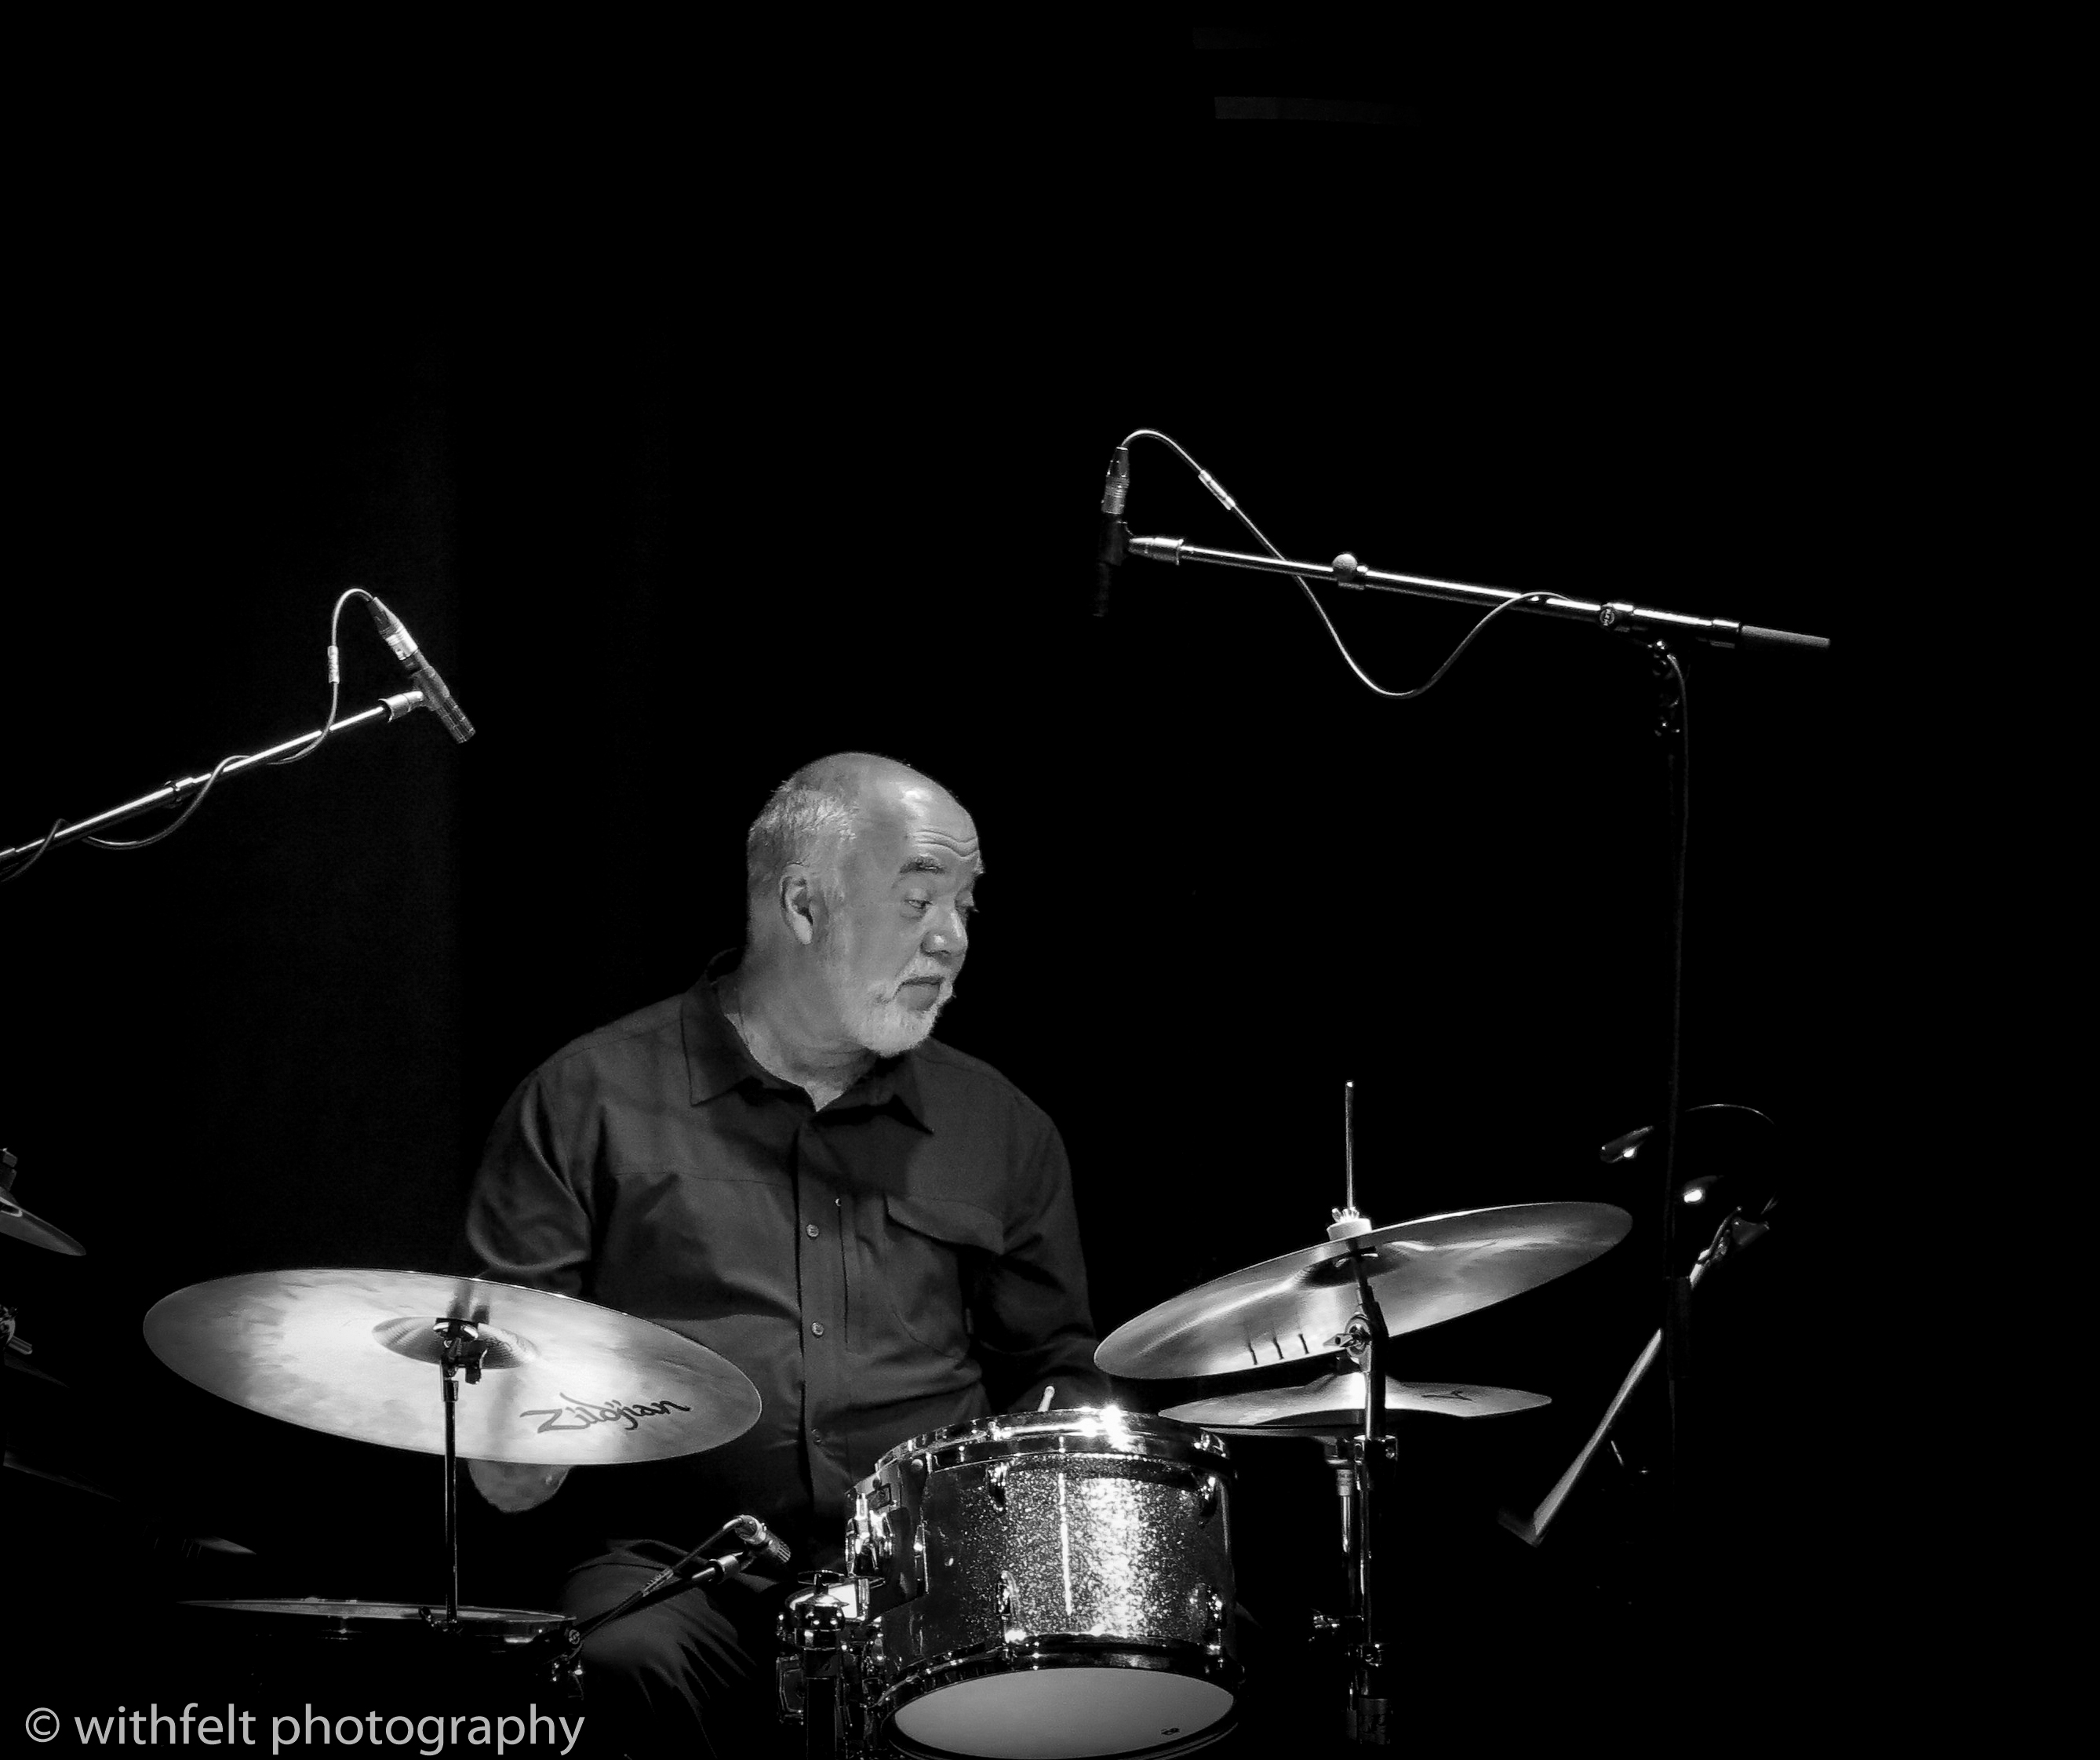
<point x="1333" y="1405"/>
<point x="355" y="1353"/>
<point x="1422" y="1273"/>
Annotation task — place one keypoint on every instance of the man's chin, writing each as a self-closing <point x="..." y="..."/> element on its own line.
<point x="891" y="1029"/>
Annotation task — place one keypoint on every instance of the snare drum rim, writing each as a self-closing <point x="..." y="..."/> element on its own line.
<point x="989" y="1660"/>
<point x="1131" y="1435"/>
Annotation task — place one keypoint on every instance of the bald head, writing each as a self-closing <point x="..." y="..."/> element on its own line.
<point x="813" y="817"/>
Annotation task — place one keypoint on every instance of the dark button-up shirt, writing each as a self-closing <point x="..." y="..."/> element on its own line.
<point x="905" y="1258"/>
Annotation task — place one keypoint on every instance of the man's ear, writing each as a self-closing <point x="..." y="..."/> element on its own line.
<point x="798" y="903"/>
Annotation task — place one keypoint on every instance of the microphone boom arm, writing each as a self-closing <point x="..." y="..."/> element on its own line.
<point x="1617" y="615"/>
<point x="183" y="788"/>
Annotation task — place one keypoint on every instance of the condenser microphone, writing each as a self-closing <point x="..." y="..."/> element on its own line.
<point x="761" y="1540"/>
<point x="1115" y="535"/>
<point x="414" y="662"/>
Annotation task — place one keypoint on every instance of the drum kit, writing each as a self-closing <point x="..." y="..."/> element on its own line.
<point x="1056" y="1584"/>
<point x="1061" y="1584"/>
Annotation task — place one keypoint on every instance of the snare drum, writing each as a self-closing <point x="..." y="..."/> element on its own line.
<point x="1049" y="1586"/>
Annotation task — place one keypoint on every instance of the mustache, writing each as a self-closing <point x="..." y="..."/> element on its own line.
<point x="934" y="975"/>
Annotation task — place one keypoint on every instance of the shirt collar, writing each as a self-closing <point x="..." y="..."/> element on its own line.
<point x="718" y="1059"/>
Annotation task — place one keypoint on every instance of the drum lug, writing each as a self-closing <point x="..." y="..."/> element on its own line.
<point x="1206" y="1499"/>
<point x="994" y="1481"/>
<point x="1214" y="1628"/>
<point x="1009" y="1612"/>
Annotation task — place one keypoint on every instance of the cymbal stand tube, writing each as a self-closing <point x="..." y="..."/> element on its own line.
<point x="1349" y="1147"/>
<point x="452" y="1498"/>
<point x="1371" y="1722"/>
<point x="463" y="1349"/>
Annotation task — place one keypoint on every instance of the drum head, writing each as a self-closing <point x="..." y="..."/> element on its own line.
<point x="1065" y="1713"/>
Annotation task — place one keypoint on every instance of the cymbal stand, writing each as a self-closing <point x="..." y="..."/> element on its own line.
<point x="1370" y="1720"/>
<point x="460" y="1346"/>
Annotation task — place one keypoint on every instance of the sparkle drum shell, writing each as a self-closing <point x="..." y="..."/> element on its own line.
<point x="1049" y="1586"/>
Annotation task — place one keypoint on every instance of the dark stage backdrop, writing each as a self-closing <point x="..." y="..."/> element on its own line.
<point x="673" y="534"/>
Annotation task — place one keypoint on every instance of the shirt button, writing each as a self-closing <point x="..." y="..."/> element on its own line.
<point x="816" y="1435"/>
<point x="818" y="1327"/>
<point x="810" y="1230"/>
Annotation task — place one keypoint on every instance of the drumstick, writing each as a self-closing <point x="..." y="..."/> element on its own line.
<point x="1046" y="1392"/>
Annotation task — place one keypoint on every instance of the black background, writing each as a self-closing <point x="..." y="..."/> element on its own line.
<point x="724" y="448"/>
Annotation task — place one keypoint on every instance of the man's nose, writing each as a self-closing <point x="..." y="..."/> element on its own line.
<point x="944" y="933"/>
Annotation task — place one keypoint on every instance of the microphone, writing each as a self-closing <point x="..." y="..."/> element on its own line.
<point x="1115" y="535"/>
<point x="761" y="1540"/>
<point x="414" y="662"/>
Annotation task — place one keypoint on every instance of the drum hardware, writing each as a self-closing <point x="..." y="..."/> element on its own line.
<point x="558" y="1382"/>
<point x="817" y="1676"/>
<point x="1368" y="1719"/>
<point x="460" y="1347"/>
<point x="1053" y="1583"/>
<point x="1342" y="1302"/>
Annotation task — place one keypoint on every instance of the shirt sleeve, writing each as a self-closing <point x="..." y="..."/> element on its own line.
<point x="525" y="1223"/>
<point x="1033" y="1328"/>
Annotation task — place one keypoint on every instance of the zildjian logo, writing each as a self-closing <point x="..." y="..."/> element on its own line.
<point x="580" y="1414"/>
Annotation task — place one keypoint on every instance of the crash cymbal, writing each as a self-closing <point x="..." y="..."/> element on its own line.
<point x="25" y="1225"/>
<point x="1422" y="1273"/>
<point x="1333" y="1405"/>
<point x="355" y="1353"/>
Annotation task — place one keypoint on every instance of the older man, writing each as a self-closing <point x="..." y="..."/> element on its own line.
<point x="783" y="1165"/>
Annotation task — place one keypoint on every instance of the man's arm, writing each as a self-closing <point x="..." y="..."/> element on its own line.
<point x="1033" y="1327"/>
<point x="526" y="1225"/>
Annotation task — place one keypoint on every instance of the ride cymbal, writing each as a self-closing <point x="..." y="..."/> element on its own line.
<point x="1422" y="1273"/>
<point x="562" y="1382"/>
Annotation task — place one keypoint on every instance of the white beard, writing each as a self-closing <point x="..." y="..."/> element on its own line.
<point x="889" y="1028"/>
<point x="874" y="1018"/>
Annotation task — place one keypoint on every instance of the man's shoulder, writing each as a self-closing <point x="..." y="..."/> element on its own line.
<point x="974" y="1082"/>
<point x="643" y="1034"/>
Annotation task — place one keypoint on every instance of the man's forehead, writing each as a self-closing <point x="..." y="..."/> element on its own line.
<point x="943" y="846"/>
<point x="922" y="828"/>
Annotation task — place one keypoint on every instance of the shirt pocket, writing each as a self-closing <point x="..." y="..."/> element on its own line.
<point x="931" y="1251"/>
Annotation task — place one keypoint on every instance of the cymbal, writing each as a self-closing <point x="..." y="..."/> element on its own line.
<point x="1333" y="1405"/>
<point x="1298" y="1305"/>
<point x="26" y="1225"/>
<point x="355" y="1353"/>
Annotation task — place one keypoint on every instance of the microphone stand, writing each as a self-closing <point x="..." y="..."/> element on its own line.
<point x="1619" y="615"/>
<point x="185" y="787"/>
<point x="693" y="1571"/>
<point x="1654" y="629"/>
<point x="1737" y="1234"/>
